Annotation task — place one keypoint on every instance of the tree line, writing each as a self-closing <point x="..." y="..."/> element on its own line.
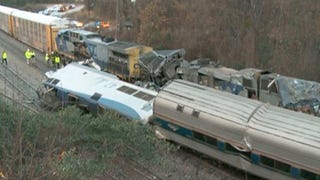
<point x="281" y="36"/>
<point x="278" y="35"/>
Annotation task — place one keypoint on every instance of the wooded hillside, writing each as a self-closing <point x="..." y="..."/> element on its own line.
<point x="279" y="35"/>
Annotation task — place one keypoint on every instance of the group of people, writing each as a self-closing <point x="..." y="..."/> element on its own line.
<point x="28" y="54"/>
<point x="55" y="59"/>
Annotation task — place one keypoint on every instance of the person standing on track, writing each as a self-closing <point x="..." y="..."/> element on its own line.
<point x="4" y="57"/>
<point x="52" y="57"/>
<point x="57" y="61"/>
<point x="28" y="55"/>
<point x="47" y="58"/>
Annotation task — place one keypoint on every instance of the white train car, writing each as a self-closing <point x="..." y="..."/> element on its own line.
<point x="261" y="139"/>
<point x="96" y="91"/>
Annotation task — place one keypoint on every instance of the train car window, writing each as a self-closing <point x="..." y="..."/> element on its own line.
<point x="264" y="84"/>
<point x="120" y="55"/>
<point x="284" y="167"/>
<point x="267" y="161"/>
<point x="295" y="172"/>
<point x="96" y="96"/>
<point x="273" y="88"/>
<point x="195" y="113"/>
<point x="180" y="108"/>
<point x="73" y="99"/>
<point x="211" y="141"/>
<point x="247" y="83"/>
<point x="218" y="82"/>
<point x="66" y="38"/>
<point x="246" y="155"/>
<point x="127" y="90"/>
<point x="230" y="148"/>
<point x="203" y="80"/>
<point x="307" y="175"/>
<point x="221" y="145"/>
<point x="255" y="158"/>
<point x="144" y="96"/>
<point x="53" y="81"/>
<point x="198" y="136"/>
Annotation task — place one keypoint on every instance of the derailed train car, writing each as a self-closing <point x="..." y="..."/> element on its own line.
<point x="71" y="43"/>
<point x="263" y="85"/>
<point x="36" y="30"/>
<point x="95" y="91"/>
<point x="118" y="57"/>
<point x="270" y="142"/>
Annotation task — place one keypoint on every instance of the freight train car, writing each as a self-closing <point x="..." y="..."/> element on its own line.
<point x="5" y="19"/>
<point x="36" y="30"/>
<point x="270" y="142"/>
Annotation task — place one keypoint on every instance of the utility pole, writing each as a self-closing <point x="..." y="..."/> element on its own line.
<point x="117" y="20"/>
<point x="90" y="5"/>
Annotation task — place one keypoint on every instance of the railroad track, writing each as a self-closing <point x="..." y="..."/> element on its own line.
<point x="131" y="169"/>
<point x="215" y="166"/>
<point x="17" y="89"/>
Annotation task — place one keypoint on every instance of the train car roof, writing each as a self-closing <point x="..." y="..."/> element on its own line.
<point x="6" y="10"/>
<point x="223" y="73"/>
<point x="40" y="18"/>
<point x="286" y="134"/>
<point x="297" y="126"/>
<point x="106" y="89"/>
<point x="122" y="45"/>
<point x="99" y="42"/>
<point x="217" y="103"/>
<point x="79" y="31"/>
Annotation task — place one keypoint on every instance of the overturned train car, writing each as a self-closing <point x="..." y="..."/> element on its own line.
<point x="95" y="91"/>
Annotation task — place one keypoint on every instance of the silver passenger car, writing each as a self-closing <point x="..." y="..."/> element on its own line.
<point x="261" y="139"/>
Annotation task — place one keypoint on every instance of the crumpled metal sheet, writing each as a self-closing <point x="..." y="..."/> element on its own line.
<point x="298" y="94"/>
<point x="154" y="61"/>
